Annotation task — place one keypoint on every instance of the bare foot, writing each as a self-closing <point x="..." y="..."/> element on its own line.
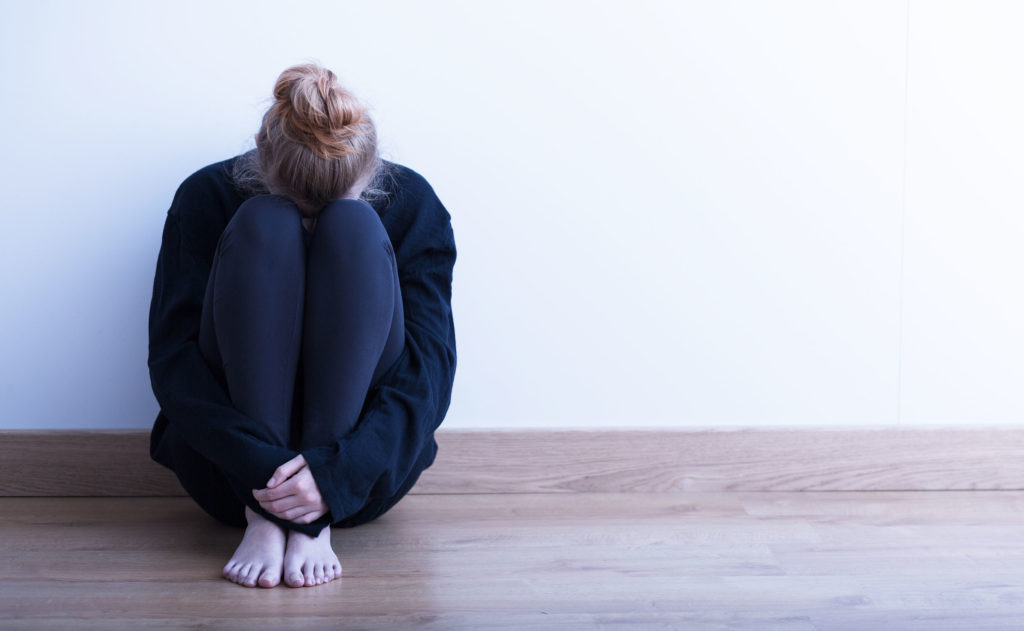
<point x="309" y="560"/>
<point x="259" y="558"/>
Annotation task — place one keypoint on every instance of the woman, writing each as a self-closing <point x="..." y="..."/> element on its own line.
<point x="302" y="347"/>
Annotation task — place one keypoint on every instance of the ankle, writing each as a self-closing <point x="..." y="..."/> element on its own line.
<point x="253" y="518"/>
<point x="326" y="531"/>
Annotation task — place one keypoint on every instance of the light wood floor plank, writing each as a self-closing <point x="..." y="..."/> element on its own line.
<point x="807" y="561"/>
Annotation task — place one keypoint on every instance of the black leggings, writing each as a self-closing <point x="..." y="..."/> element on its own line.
<point x="300" y="326"/>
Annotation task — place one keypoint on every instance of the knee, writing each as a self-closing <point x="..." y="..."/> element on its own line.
<point x="349" y="223"/>
<point x="351" y="228"/>
<point x="267" y="223"/>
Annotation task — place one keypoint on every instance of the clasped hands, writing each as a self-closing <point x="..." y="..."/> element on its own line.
<point x="292" y="493"/>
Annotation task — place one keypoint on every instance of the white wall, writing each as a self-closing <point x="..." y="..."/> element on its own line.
<point x="668" y="214"/>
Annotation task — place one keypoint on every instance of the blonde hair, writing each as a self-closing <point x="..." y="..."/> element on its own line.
<point x="316" y="140"/>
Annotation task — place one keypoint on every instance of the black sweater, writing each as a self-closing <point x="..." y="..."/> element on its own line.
<point x="394" y="436"/>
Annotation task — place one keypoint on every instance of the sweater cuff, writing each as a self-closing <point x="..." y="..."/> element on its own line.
<point x="338" y="483"/>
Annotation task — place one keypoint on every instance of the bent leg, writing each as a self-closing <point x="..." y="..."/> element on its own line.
<point x="251" y="325"/>
<point x="354" y="327"/>
<point x="250" y="333"/>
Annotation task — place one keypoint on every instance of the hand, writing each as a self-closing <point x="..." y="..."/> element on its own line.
<point x="292" y="493"/>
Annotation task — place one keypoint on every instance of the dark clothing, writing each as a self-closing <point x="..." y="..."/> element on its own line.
<point x="362" y="465"/>
<point x="280" y="299"/>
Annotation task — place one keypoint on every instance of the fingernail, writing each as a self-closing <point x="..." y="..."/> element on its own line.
<point x="272" y="482"/>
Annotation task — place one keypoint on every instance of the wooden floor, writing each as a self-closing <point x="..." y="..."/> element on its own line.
<point x="752" y="560"/>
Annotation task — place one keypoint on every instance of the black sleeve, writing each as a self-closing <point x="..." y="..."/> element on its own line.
<point x="402" y="411"/>
<point x="189" y="394"/>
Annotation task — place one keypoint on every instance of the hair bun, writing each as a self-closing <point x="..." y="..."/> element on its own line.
<point x="317" y="141"/>
<point x="316" y="111"/>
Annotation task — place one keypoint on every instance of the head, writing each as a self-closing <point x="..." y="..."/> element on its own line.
<point x="317" y="142"/>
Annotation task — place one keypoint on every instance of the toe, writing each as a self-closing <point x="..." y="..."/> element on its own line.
<point x="318" y="573"/>
<point x="307" y="571"/>
<point x="251" y="575"/>
<point x="243" y="572"/>
<point x="269" y="578"/>
<point x="293" y="576"/>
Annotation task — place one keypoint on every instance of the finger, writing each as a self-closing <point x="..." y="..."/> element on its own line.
<point x="306" y="518"/>
<point x="280" y="515"/>
<point x="286" y="488"/>
<point x="302" y="483"/>
<point x="287" y="511"/>
<point x="286" y="471"/>
<point x="272" y="512"/>
<point x="283" y="504"/>
<point x="305" y="513"/>
<point x="294" y="513"/>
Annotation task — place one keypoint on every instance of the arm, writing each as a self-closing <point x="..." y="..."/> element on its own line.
<point x="189" y="394"/>
<point x="401" y="413"/>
